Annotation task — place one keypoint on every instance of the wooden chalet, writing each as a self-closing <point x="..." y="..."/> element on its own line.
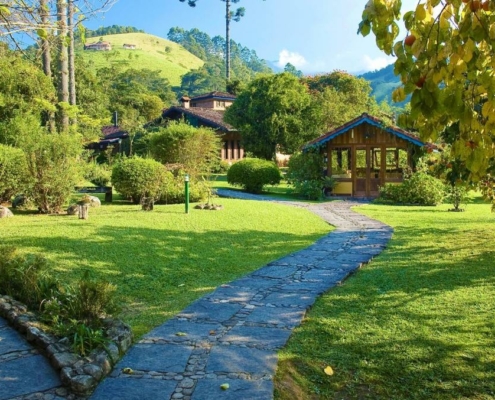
<point x="364" y="154"/>
<point x="208" y="110"/>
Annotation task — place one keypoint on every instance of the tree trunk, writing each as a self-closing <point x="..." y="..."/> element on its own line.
<point x="72" y="56"/>
<point x="46" y="57"/>
<point x="227" y="39"/>
<point x="63" y="65"/>
<point x="45" y="43"/>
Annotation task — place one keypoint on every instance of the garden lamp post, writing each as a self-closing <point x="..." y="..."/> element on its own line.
<point x="186" y="192"/>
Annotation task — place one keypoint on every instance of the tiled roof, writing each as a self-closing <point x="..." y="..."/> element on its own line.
<point x="113" y="132"/>
<point x="207" y="116"/>
<point x="215" y="95"/>
<point x="366" y="118"/>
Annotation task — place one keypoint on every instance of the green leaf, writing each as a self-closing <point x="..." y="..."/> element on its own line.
<point x="420" y="12"/>
<point x="42" y="33"/>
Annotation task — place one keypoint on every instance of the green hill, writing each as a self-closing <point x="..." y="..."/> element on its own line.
<point x="152" y="52"/>
<point x="383" y="82"/>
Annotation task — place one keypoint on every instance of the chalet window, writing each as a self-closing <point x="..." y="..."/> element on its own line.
<point x="341" y="162"/>
<point x="239" y="155"/>
<point x="396" y="162"/>
<point x="220" y="104"/>
<point x="226" y="146"/>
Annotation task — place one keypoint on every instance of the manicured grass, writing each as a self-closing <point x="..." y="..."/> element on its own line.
<point x="283" y="191"/>
<point x="163" y="260"/>
<point x="416" y="323"/>
<point x="150" y="54"/>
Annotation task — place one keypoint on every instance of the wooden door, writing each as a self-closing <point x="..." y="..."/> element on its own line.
<point x="361" y="174"/>
<point x="368" y="166"/>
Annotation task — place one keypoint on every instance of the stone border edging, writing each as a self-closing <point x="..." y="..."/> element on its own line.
<point x="80" y="374"/>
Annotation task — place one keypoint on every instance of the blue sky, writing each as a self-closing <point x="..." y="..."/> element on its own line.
<point x="314" y="35"/>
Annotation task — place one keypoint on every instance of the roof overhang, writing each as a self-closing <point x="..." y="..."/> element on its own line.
<point x="364" y="119"/>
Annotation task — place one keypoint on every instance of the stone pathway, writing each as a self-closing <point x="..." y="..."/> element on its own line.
<point x="232" y="335"/>
<point x="24" y="373"/>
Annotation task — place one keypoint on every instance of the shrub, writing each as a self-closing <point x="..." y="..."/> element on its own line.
<point x="221" y="167"/>
<point x="455" y="195"/>
<point x="137" y="178"/>
<point x="71" y="311"/>
<point x="13" y="172"/>
<point x="418" y="189"/>
<point x="54" y="167"/>
<point x="25" y="277"/>
<point x="98" y="174"/>
<point x="196" y="149"/>
<point x="173" y="191"/>
<point x="253" y="173"/>
<point x="305" y="174"/>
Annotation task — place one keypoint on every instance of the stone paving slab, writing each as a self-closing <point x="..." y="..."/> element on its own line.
<point x="275" y="271"/>
<point x="134" y="389"/>
<point x="157" y="357"/>
<point x="26" y="375"/>
<point x="237" y="295"/>
<point x="203" y="309"/>
<point x="289" y="299"/>
<point x="241" y="360"/>
<point x="271" y="338"/>
<point x="253" y="281"/>
<point x="328" y="277"/>
<point x="308" y="287"/>
<point x="182" y="331"/>
<point x="209" y="389"/>
<point x="11" y="341"/>
<point x="281" y="317"/>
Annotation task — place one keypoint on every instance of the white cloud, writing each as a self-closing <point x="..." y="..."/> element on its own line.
<point x="372" y="64"/>
<point x="296" y="59"/>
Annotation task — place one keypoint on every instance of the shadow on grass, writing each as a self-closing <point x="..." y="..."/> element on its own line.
<point x="158" y="272"/>
<point x="416" y="323"/>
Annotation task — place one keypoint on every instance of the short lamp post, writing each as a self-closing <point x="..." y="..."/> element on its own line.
<point x="186" y="192"/>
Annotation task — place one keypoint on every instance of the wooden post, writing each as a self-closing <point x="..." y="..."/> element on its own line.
<point x="83" y="211"/>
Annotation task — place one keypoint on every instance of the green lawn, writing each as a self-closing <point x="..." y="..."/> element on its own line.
<point x="283" y="191"/>
<point x="163" y="260"/>
<point x="416" y="323"/>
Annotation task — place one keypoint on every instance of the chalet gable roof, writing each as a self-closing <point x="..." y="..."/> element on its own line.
<point x="215" y="95"/>
<point x="368" y="119"/>
<point x="207" y="116"/>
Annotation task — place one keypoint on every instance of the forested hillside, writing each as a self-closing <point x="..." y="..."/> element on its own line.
<point x="245" y="63"/>
<point x="383" y="82"/>
<point x="192" y="61"/>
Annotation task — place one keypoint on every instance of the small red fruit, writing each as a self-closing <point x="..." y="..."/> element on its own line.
<point x="449" y="165"/>
<point x="475" y="5"/>
<point x="421" y="81"/>
<point x="409" y="40"/>
<point x="486" y="5"/>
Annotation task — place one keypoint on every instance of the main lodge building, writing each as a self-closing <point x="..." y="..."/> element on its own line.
<point x="208" y="110"/>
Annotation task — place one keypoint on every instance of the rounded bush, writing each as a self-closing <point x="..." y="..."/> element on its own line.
<point x="97" y="174"/>
<point x="13" y="172"/>
<point x="138" y="177"/>
<point x="419" y="189"/>
<point x="173" y="191"/>
<point x="253" y="173"/>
